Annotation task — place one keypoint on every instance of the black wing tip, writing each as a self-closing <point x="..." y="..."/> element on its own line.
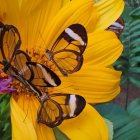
<point x="24" y="53"/>
<point x="81" y="100"/>
<point x="80" y="105"/>
<point x="52" y="73"/>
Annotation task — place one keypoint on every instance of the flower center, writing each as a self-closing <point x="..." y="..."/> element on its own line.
<point x="20" y="88"/>
<point x="37" y="56"/>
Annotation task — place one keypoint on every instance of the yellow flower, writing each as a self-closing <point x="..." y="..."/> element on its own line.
<point x="40" y="22"/>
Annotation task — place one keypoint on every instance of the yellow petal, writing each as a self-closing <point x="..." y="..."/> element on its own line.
<point x="66" y="1"/>
<point x="95" y="84"/>
<point x="39" y="12"/>
<point x="20" y="128"/>
<point x="104" y="48"/>
<point x="73" y="12"/>
<point x="35" y="16"/>
<point x="109" y="11"/>
<point x="93" y="18"/>
<point x="9" y="11"/>
<point x="24" y="115"/>
<point x="89" y="125"/>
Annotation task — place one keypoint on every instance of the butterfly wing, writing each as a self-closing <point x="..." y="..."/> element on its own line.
<point x="50" y="113"/>
<point x="71" y="104"/>
<point x="9" y="42"/>
<point x="66" y="53"/>
<point x="65" y="106"/>
<point x="32" y="74"/>
<point x="43" y="76"/>
<point x="19" y="62"/>
<point x="117" y="27"/>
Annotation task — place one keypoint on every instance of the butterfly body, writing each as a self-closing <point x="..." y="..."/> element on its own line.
<point x="49" y="55"/>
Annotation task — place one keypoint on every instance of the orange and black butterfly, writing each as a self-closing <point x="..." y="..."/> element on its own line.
<point x="37" y="78"/>
<point x="117" y="27"/>
<point x="67" y="51"/>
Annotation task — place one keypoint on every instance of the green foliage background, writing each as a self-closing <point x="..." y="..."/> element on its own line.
<point x="126" y="120"/>
<point x="129" y="62"/>
<point x="5" y="125"/>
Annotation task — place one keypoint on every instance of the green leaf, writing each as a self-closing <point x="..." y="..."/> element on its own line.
<point x="134" y="69"/>
<point x="126" y="123"/>
<point x="5" y="125"/>
<point x="135" y="60"/>
<point x="135" y="81"/>
<point x="120" y="120"/>
<point x="110" y="128"/>
<point x="136" y="50"/>
<point x="59" y="134"/>
<point x="109" y="108"/>
<point x="134" y="108"/>
<point x="124" y="80"/>
<point x="135" y="13"/>
<point x="128" y="131"/>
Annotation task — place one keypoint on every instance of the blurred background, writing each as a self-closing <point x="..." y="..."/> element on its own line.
<point x="124" y="111"/>
<point x="129" y="62"/>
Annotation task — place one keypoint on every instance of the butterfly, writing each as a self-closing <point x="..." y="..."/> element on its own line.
<point x="117" y="27"/>
<point x="67" y="51"/>
<point x="37" y="78"/>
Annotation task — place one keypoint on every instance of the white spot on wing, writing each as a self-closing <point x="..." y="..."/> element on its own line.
<point x="72" y="103"/>
<point x="47" y="76"/>
<point x="23" y="70"/>
<point x="118" y="25"/>
<point x="74" y="36"/>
